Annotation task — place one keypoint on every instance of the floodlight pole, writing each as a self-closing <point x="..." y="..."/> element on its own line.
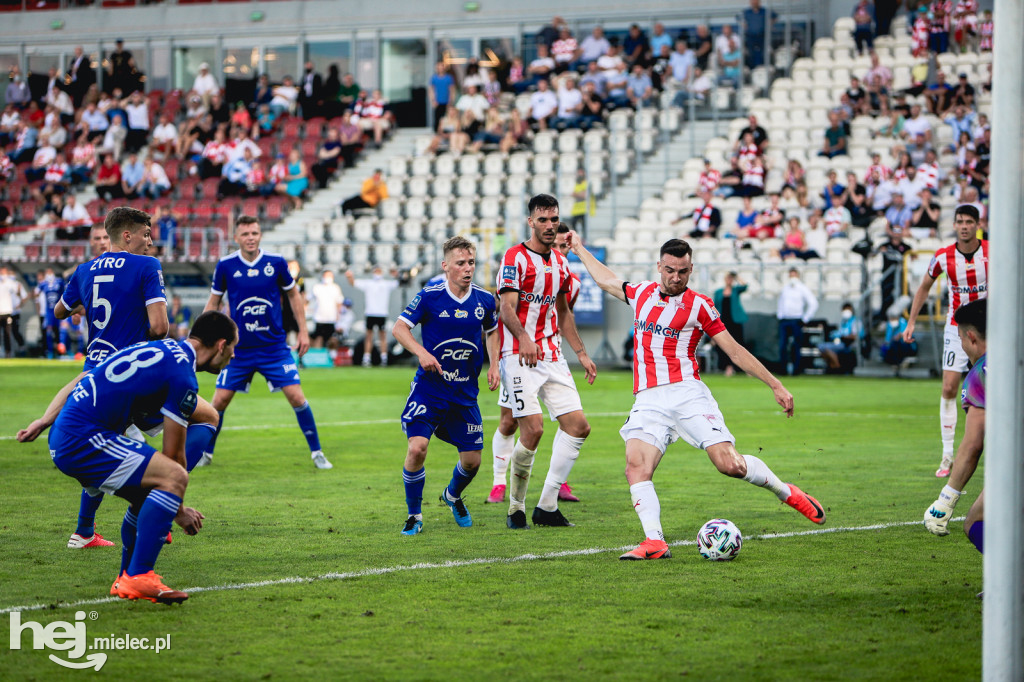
<point x="1003" y="618"/>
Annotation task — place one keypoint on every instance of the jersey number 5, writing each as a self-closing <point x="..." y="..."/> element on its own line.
<point x="100" y="302"/>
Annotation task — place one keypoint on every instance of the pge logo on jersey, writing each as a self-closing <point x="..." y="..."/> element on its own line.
<point x="72" y="638"/>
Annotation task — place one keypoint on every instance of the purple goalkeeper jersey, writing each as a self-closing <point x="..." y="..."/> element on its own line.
<point x="973" y="392"/>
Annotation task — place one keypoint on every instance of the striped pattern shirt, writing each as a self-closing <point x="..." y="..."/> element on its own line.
<point x="967" y="274"/>
<point x="667" y="330"/>
<point x="539" y="279"/>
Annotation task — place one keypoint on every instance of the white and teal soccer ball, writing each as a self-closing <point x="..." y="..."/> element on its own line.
<point x="719" y="540"/>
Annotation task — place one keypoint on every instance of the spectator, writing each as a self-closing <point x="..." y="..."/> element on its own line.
<point x="180" y="318"/>
<point x="331" y="92"/>
<point x="44" y="155"/>
<point x="371" y="115"/>
<point x="543" y="103"/>
<point x="570" y="105"/>
<point x="565" y="50"/>
<point x="731" y="62"/>
<point x="311" y="93"/>
<point x="350" y="137"/>
<point x="681" y="64"/>
<point x="697" y="89"/>
<point x="894" y="349"/>
<point x="769" y="221"/>
<point x="898" y="214"/>
<point x="263" y="93"/>
<point x="17" y="91"/>
<point x="441" y="90"/>
<point x="661" y="68"/>
<point x="858" y="97"/>
<point x="659" y="39"/>
<point x="285" y="97"/>
<point x="296" y="182"/>
<point x="709" y="178"/>
<point x="328" y="157"/>
<point x="986" y="30"/>
<point x="910" y="186"/>
<point x="793" y="243"/>
<point x="155" y="182"/>
<point x="840" y="353"/>
<point x="924" y="222"/>
<point x="108" y="179"/>
<point x="167" y="225"/>
<point x="963" y="92"/>
<point x="706" y="219"/>
<point x="877" y="82"/>
<point x="917" y="124"/>
<point x="837" y="221"/>
<point x="115" y="136"/>
<point x="580" y="200"/>
<point x="213" y="156"/>
<point x="723" y="42"/>
<point x="326" y="301"/>
<point x="83" y="160"/>
<point x="932" y="176"/>
<point x="835" y="137"/>
<point x="516" y="75"/>
<point x="235" y="175"/>
<point x="796" y="306"/>
<point x="492" y="88"/>
<point x="516" y="132"/>
<point x="815" y="238"/>
<point x="734" y="316"/>
<point x="61" y="101"/>
<point x="635" y="47"/>
<point x="755" y="22"/>
<point x="540" y="69"/>
<point x="240" y="117"/>
<point x="938" y="41"/>
<point x="493" y="130"/>
<point x="703" y="47"/>
<point x="593" y="46"/>
<point x="77" y="215"/>
<point x="373" y="191"/>
<point x="752" y="179"/>
<point x="962" y="120"/>
<point x="121" y="69"/>
<point x="745" y="219"/>
<point x="137" y="110"/>
<point x="892" y="127"/>
<point x="449" y="131"/>
<point x="609" y="62"/>
<point x="9" y="121"/>
<point x="549" y="33"/>
<point x="165" y="137"/>
<point x="864" y="26"/>
<point x="833" y="192"/>
<point x="133" y="172"/>
<point x="26" y="142"/>
<point x="855" y="200"/>
<point x="596" y="78"/>
<point x="205" y="84"/>
<point x="760" y="136"/>
<point x="476" y="104"/>
<point x="939" y="96"/>
<point x="593" y="107"/>
<point x="639" y="88"/>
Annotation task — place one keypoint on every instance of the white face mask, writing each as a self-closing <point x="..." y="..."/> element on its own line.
<point x="847" y="314"/>
<point x="328" y="279"/>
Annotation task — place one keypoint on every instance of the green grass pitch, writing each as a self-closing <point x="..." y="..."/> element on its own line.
<point x="889" y="603"/>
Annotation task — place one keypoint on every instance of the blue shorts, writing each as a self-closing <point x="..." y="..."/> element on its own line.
<point x="429" y="415"/>
<point x="101" y="460"/>
<point x="275" y="364"/>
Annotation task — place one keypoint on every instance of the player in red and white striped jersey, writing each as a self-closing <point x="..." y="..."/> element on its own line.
<point x="533" y="284"/>
<point x="503" y="442"/>
<point x="965" y="264"/>
<point x="671" y="400"/>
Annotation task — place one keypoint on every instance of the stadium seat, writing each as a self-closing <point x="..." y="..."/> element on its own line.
<point x="362" y="229"/>
<point x="387" y="230"/>
<point x="444" y="164"/>
<point x="469" y="164"/>
<point x="398" y="166"/>
<point x="492" y="185"/>
<point x="412" y="230"/>
<point x="494" y="164"/>
<point x="442" y="186"/>
<point x="416" y="207"/>
<point x="440" y="207"/>
<point x="465" y="207"/>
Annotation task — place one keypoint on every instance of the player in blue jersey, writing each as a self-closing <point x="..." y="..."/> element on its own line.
<point x="48" y="290"/>
<point x="137" y="383"/>
<point x="254" y="282"/>
<point x="455" y="316"/>
<point x="121" y="294"/>
<point x="971" y="321"/>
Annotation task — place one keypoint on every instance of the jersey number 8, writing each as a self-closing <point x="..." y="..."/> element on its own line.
<point x="123" y="368"/>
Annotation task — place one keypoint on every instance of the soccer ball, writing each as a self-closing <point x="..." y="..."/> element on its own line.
<point x="719" y="540"/>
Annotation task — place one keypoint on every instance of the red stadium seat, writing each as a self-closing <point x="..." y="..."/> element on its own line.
<point x="290" y="128"/>
<point x="54" y="252"/>
<point x="27" y="209"/>
<point x="310" y="147"/>
<point x="274" y="208"/>
<point x="315" y="128"/>
<point x="251" y="207"/>
<point x="33" y="252"/>
<point x="76" y="253"/>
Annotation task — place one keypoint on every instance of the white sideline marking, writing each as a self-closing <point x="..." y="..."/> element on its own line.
<point x="457" y="564"/>
<point x="396" y="420"/>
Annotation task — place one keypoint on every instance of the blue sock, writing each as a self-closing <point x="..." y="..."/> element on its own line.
<point x="48" y="334"/>
<point x="213" y="441"/>
<point x="155" y="518"/>
<point x="460" y="479"/>
<point x="87" y="514"/>
<point x="977" y="535"/>
<point x="63" y="335"/>
<point x="129" y="531"/>
<point x="198" y="439"/>
<point x="308" y="425"/>
<point x="414" y="481"/>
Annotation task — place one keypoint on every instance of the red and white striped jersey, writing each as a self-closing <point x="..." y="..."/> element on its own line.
<point x="539" y="280"/>
<point x="666" y="333"/>
<point x="574" y="290"/>
<point x="967" y="274"/>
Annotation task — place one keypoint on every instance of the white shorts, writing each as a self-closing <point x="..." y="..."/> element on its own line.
<point x="551" y="382"/>
<point x="954" y="359"/>
<point x="686" y="409"/>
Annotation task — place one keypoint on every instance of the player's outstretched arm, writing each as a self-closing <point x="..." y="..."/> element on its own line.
<point x="937" y="516"/>
<point x="920" y="296"/>
<point x="159" y="325"/>
<point x="567" y="323"/>
<point x="213" y="303"/>
<point x="299" y="311"/>
<point x="493" y="348"/>
<point x="403" y="334"/>
<point x="602" y="274"/>
<point x="743" y="359"/>
<point x="32" y="431"/>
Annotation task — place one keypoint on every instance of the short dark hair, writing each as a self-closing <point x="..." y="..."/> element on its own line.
<point x="973" y="315"/>
<point x="562" y="228"/>
<point x="211" y="327"/>
<point x="123" y="218"/>
<point x="542" y="201"/>
<point x="458" y="243"/>
<point x="246" y="220"/>
<point x="968" y="210"/>
<point x="678" y="248"/>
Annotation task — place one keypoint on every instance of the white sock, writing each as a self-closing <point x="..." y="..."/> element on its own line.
<point x="522" y="465"/>
<point x="760" y="475"/>
<point x="648" y="508"/>
<point x="501" y="451"/>
<point x="564" y="451"/>
<point x="947" y="419"/>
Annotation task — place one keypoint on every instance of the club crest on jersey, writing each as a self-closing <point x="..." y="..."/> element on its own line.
<point x="479" y="312"/>
<point x="269" y="270"/>
<point x="461" y="314"/>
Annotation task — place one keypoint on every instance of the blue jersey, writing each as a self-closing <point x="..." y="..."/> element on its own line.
<point x="973" y="392"/>
<point x="254" y="296"/>
<point x="116" y="289"/>
<point x="51" y="290"/>
<point x="134" y="385"/>
<point x="453" y="332"/>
